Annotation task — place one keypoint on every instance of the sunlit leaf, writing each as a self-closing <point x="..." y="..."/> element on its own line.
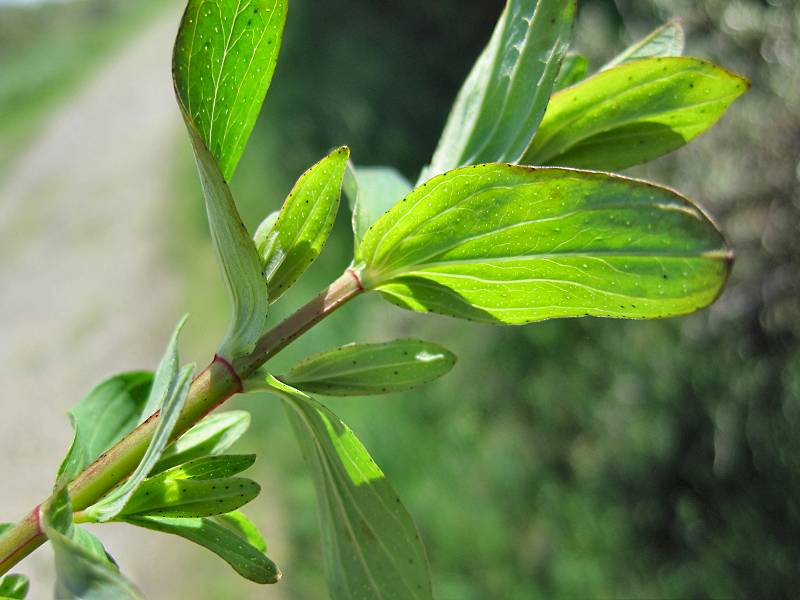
<point x="371" y="191"/>
<point x="211" y="436"/>
<point x="224" y="57"/>
<point x="14" y="587"/>
<point x="304" y="223"/>
<point x="573" y="69"/>
<point x="171" y="399"/>
<point x="633" y="113"/>
<point x="83" y="574"/>
<point x="667" y="40"/>
<point x="207" y="467"/>
<point x="370" y="544"/>
<point x="240" y="524"/>
<point x="364" y="369"/>
<point x="510" y="244"/>
<point x="107" y="413"/>
<point x="505" y="95"/>
<point x="245" y="559"/>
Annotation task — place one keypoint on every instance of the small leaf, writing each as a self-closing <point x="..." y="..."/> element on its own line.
<point x="510" y="244"/>
<point x="264" y="228"/>
<point x="371" y="191"/>
<point x="573" y="69"/>
<point x="246" y="560"/>
<point x="82" y="573"/>
<point x="371" y="546"/>
<point x="207" y="467"/>
<point x="171" y="399"/>
<point x="164" y="377"/>
<point x="210" y="437"/>
<point x="305" y="221"/>
<point x="633" y="113"/>
<point x="665" y="41"/>
<point x="505" y="95"/>
<point x="107" y="413"/>
<point x="364" y="369"/>
<point x="222" y="65"/>
<point x="14" y="587"/>
<point x="190" y="497"/>
<point x="237" y="257"/>
<point x="238" y="522"/>
<point x="6" y="527"/>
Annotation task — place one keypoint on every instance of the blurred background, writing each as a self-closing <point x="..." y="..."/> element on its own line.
<point x="570" y="459"/>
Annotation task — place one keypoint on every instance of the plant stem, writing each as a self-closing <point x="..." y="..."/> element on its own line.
<point x="218" y="382"/>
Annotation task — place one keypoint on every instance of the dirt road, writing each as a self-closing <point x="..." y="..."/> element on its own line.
<point x="86" y="291"/>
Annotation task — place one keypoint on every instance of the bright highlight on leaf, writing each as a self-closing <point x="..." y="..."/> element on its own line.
<point x="14" y="587"/>
<point x="299" y="233"/>
<point x="224" y="57"/>
<point x="505" y="95"/>
<point x="366" y="369"/>
<point x="667" y="40"/>
<point x="240" y="524"/>
<point x="370" y="544"/>
<point x="508" y="244"/>
<point x="633" y="113"/>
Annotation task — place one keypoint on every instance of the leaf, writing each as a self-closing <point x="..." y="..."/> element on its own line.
<point x="305" y="221"/>
<point x="107" y="413"/>
<point x="371" y="191"/>
<point x="238" y="522"/>
<point x="6" y="527"/>
<point x="14" y="587"/>
<point x="371" y="546"/>
<point x="667" y="40"/>
<point x="82" y="574"/>
<point x="210" y="437"/>
<point x="573" y="69"/>
<point x="237" y="257"/>
<point x="246" y="560"/>
<point x="190" y="497"/>
<point x="207" y="467"/>
<point x="170" y="399"/>
<point x="165" y="375"/>
<point x="633" y="113"/>
<point x="222" y="65"/>
<point x="505" y="95"/>
<point x="364" y="369"/>
<point x="511" y="244"/>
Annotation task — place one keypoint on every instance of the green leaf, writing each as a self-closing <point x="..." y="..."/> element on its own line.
<point x="633" y="113"/>
<point x="171" y="399"/>
<point x="182" y="498"/>
<point x="210" y="437"/>
<point x="505" y="95"/>
<point x="371" y="546"/>
<point x="365" y="369"/>
<point x="82" y="573"/>
<point x="107" y="413"/>
<point x="305" y="221"/>
<point x="573" y="69"/>
<point x="237" y="257"/>
<point x="6" y="527"/>
<point x="238" y="522"/>
<point x="371" y="191"/>
<point x="246" y="560"/>
<point x="165" y="375"/>
<point x="223" y="61"/>
<point x="14" y="587"/>
<point x="206" y="467"/>
<point x="667" y="40"/>
<point x="511" y="244"/>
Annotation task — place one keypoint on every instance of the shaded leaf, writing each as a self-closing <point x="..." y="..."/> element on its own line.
<point x="633" y="113"/>
<point x="246" y="560"/>
<point x="224" y="57"/>
<point x="211" y="436"/>
<point x="667" y="40"/>
<point x="371" y="191"/>
<point x="573" y="69"/>
<point x="505" y="95"/>
<point x="304" y="223"/>
<point x="364" y="369"/>
<point x="240" y="524"/>
<point x="190" y="497"/>
<point x="207" y="467"/>
<point x="14" y="587"/>
<point x="371" y="546"/>
<point x="510" y="244"/>
<point x="109" y="412"/>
